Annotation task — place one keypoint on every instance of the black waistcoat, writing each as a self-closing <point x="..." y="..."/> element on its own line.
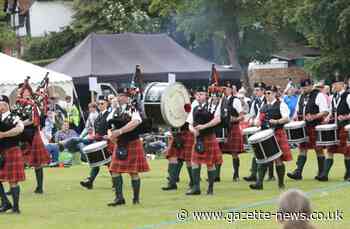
<point x="342" y="108"/>
<point x="202" y="115"/>
<point x="6" y="125"/>
<point x="271" y="112"/>
<point x="119" y="120"/>
<point x="101" y="125"/>
<point x="309" y="102"/>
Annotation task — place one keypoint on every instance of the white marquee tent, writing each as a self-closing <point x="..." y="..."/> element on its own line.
<point x="14" y="71"/>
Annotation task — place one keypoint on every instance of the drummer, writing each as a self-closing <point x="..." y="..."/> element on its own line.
<point x="258" y="102"/>
<point x="312" y="108"/>
<point x="340" y="107"/>
<point x="128" y="155"/>
<point x="100" y="134"/>
<point x="274" y="114"/>
<point x="234" y="143"/>
<point x="206" y="151"/>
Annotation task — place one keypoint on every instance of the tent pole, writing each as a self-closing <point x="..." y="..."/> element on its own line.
<point x="81" y="110"/>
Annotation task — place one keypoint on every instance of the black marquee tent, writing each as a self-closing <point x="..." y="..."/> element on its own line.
<point x="113" y="57"/>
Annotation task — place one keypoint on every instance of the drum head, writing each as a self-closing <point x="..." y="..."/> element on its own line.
<point x="251" y="130"/>
<point x="95" y="146"/>
<point x="294" y="125"/>
<point x="326" y="127"/>
<point x="260" y="136"/>
<point x="173" y="102"/>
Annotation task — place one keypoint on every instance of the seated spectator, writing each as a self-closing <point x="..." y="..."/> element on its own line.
<point x="292" y="204"/>
<point x="65" y="133"/>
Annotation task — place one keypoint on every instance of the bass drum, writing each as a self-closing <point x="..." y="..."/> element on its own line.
<point x="166" y="104"/>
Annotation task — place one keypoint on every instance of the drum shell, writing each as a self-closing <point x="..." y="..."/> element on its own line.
<point x="297" y="135"/>
<point x="97" y="156"/>
<point x="326" y="137"/>
<point x="266" y="149"/>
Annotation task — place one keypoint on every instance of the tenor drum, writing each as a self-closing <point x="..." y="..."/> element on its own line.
<point x="265" y="146"/>
<point x="247" y="132"/>
<point x="326" y="135"/>
<point x="166" y="104"/>
<point x="347" y="129"/>
<point x="97" y="154"/>
<point x="296" y="132"/>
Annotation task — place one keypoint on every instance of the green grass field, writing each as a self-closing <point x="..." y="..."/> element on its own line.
<point x="65" y="205"/>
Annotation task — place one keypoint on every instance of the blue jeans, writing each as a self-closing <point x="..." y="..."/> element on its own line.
<point x="53" y="151"/>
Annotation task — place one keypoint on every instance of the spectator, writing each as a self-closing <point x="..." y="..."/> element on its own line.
<point x="73" y="114"/>
<point x="293" y="204"/>
<point x="89" y="125"/>
<point x="65" y="133"/>
<point x="111" y="98"/>
<point x="291" y="99"/>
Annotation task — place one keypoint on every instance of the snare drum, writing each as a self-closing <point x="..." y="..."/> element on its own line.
<point x="296" y="132"/>
<point x="166" y="104"/>
<point x="265" y="146"/>
<point x="326" y="135"/>
<point x="97" y="154"/>
<point x="347" y="129"/>
<point x="247" y="132"/>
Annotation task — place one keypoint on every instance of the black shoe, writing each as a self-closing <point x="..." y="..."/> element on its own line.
<point x="256" y="187"/>
<point x="87" y="184"/>
<point x="271" y="179"/>
<point x="135" y="201"/>
<point x="318" y="177"/>
<point x="169" y="187"/>
<point x="16" y="211"/>
<point x="295" y="175"/>
<point x="38" y="191"/>
<point x="251" y="178"/>
<point x="116" y="202"/>
<point x="193" y="192"/>
<point x="322" y="178"/>
<point x="217" y="179"/>
<point x="5" y="207"/>
<point x="235" y="179"/>
<point x="210" y="191"/>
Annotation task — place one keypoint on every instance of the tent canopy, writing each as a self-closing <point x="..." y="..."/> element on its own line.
<point x="113" y="57"/>
<point x="15" y="71"/>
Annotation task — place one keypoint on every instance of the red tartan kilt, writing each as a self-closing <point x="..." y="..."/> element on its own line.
<point x="311" y="144"/>
<point x="342" y="147"/>
<point x="135" y="162"/>
<point x="36" y="154"/>
<point x="110" y="147"/>
<point x="282" y="140"/>
<point x="13" y="170"/>
<point x="234" y="142"/>
<point x="212" y="154"/>
<point x="186" y="152"/>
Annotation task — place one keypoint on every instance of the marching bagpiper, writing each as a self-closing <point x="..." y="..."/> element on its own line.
<point x="232" y="106"/>
<point x="35" y="152"/>
<point x="340" y="114"/>
<point x="11" y="159"/>
<point x="206" y="151"/>
<point x="128" y="155"/>
<point x="312" y="107"/>
<point x="274" y="114"/>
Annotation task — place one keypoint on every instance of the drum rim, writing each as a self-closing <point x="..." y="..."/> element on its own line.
<point x="144" y="98"/>
<point x="102" y="143"/>
<point x="254" y="141"/>
<point x="323" y="127"/>
<point x="100" y="163"/>
<point x="299" y="124"/>
<point x="274" y="157"/>
<point x="250" y="132"/>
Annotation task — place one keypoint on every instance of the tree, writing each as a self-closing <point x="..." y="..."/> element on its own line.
<point x="7" y="36"/>
<point x="236" y="23"/>
<point x="326" y="25"/>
